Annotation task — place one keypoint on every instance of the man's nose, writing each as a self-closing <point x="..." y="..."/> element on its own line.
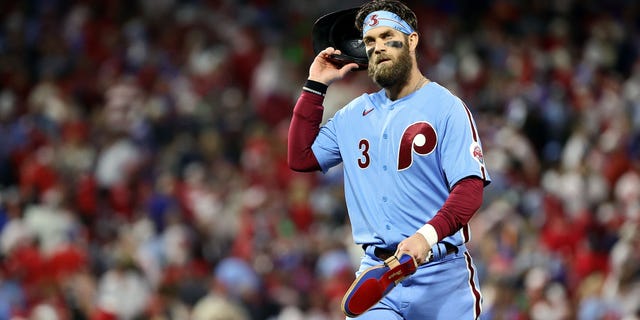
<point x="377" y="47"/>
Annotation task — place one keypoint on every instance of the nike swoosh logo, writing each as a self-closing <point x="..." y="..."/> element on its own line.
<point x="366" y="112"/>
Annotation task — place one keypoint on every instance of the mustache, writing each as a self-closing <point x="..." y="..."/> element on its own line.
<point x="382" y="57"/>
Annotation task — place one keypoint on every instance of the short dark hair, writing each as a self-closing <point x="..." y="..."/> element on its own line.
<point x="394" y="6"/>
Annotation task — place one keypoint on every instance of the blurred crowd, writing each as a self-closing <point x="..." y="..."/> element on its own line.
<point x="143" y="164"/>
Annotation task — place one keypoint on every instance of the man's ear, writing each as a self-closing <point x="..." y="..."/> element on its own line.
<point x="413" y="41"/>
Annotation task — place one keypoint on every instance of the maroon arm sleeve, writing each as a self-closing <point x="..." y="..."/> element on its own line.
<point x="304" y="127"/>
<point x="463" y="202"/>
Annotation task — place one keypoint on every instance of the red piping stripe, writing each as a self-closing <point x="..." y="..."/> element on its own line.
<point x="474" y="131"/>
<point x="473" y="127"/>
<point x="465" y="233"/>
<point x="474" y="289"/>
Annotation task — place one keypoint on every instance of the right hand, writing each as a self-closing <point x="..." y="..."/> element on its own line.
<point x="322" y="70"/>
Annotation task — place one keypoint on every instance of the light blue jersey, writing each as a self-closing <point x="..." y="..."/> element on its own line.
<point x="417" y="147"/>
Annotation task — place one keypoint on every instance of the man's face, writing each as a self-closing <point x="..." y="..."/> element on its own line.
<point x="389" y="58"/>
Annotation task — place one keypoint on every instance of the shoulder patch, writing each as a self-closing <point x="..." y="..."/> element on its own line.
<point x="476" y="152"/>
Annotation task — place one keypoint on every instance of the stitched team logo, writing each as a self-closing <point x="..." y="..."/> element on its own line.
<point x="419" y="138"/>
<point x="373" y="21"/>
<point x="476" y="153"/>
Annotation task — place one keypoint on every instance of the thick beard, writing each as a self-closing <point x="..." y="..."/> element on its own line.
<point x="389" y="75"/>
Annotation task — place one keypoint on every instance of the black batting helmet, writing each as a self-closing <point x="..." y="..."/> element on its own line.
<point x="337" y="29"/>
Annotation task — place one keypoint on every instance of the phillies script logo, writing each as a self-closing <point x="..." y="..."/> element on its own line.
<point x="373" y="21"/>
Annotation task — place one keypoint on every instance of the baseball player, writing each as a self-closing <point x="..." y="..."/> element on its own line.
<point x="413" y="167"/>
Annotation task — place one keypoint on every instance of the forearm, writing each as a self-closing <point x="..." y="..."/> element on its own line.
<point x="463" y="202"/>
<point x="304" y="127"/>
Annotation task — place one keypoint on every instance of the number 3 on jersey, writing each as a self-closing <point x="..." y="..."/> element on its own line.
<point x="364" y="160"/>
<point x="419" y="138"/>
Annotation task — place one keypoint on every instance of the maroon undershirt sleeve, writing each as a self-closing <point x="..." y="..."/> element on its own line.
<point x="304" y="127"/>
<point x="463" y="202"/>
